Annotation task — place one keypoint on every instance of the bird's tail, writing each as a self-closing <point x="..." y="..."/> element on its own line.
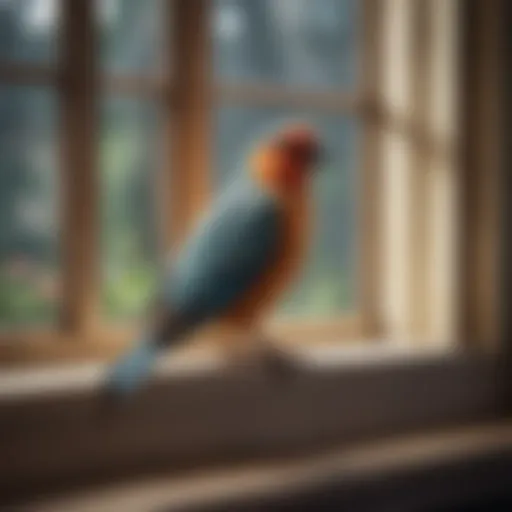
<point x="132" y="369"/>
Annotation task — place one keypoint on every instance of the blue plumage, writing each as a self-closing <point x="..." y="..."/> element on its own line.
<point x="224" y="258"/>
<point x="228" y="253"/>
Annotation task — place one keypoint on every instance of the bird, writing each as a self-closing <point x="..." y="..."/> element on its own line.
<point x="240" y="258"/>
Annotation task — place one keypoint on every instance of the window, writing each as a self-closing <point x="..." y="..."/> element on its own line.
<point x="129" y="165"/>
<point x="296" y="44"/>
<point x="134" y="122"/>
<point x="29" y="31"/>
<point x="30" y="270"/>
<point x="135" y="114"/>
<point x="131" y="36"/>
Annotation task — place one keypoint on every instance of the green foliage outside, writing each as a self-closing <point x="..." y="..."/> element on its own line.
<point x="129" y="237"/>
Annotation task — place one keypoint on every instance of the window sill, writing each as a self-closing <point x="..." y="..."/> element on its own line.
<point x="85" y="377"/>
<point x="198" y="410"/>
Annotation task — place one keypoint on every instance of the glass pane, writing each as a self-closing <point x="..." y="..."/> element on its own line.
<point x="129" y="166"/>
<point x="328" y="284"/>
<point x="28" y="30"/>
<point x="29" y="270"/>
<point x="291" y="42"/>
<point x="131" y="35"/>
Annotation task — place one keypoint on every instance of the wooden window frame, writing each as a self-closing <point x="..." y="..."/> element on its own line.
<point x="187" y="100"/>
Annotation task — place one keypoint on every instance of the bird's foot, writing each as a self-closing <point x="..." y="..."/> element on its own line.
<point x="279" y="361"/>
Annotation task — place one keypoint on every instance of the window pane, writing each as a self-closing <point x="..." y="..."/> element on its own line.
<point x="328" y="284"/>
<point x="29" y="273"/>
<point x="131" y="35"/>
<point x="129" y="166"/>
<point x="294" y="42"/>
<point x="28" y="30"/>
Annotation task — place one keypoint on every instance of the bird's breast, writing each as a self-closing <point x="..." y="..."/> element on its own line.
<point x="284" y="268"/>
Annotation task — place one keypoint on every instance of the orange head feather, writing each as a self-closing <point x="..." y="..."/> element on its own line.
<point x="284" y="162"/>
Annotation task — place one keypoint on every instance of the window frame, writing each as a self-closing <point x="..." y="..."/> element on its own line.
<point x="187" y="101"/>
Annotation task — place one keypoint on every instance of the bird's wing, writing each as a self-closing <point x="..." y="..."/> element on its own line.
<point x="218" y="265"/>
<point x="226" y="256"/>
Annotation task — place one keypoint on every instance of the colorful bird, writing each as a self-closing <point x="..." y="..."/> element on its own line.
<point x="241" y="257"/>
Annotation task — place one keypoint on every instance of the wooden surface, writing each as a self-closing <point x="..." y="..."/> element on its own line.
<point x="200" y="410"/>
<point x="79" y="171"/>
<point x="441" y="469"/>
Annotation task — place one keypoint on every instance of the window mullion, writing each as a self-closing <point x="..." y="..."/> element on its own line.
<point x="167" y="190"/>
<point x="192" y="80"/>
<point x="79" y="170"/>
<point x="269" y="95"/>
<point x="27" y="74"/>
<point x="419" y="190"/>
<point x="396" y="156"/>
<point x="371" y="200"/>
